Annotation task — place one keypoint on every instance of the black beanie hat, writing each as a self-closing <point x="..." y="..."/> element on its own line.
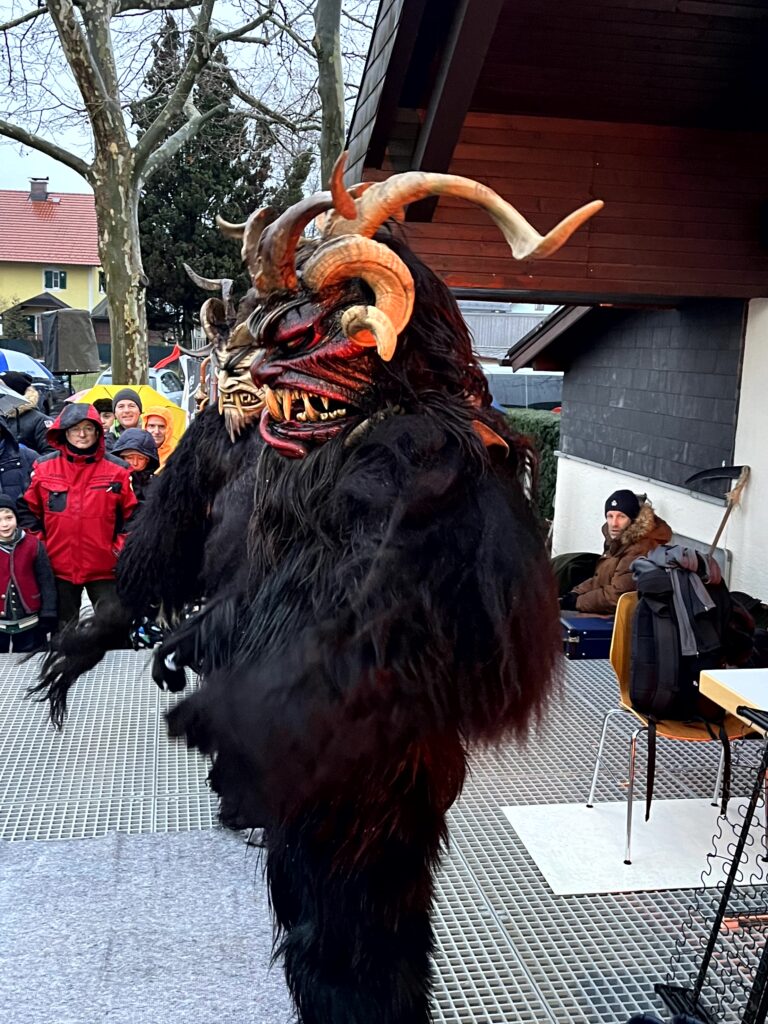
<point x="18" y="382"/>
<point x="623" y="501"/>
<point x="6" y="501"/>
<point x="126" y="395"/>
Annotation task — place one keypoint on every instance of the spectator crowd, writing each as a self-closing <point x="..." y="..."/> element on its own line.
<point x="68" y="489"/>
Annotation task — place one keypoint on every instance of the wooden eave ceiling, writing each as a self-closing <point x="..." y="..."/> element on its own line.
<point x="658" y="107"/>
<point x="683" y="63"/>
<point x="687" y="63"/>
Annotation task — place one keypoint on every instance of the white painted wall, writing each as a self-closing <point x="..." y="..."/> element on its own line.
<point x="583" y="487"/>
<point x="749" y="534"/>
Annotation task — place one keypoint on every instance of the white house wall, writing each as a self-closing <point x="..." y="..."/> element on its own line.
<point x="582" y="487"/>
<point x="750" y="526"/>
<point x="581" y="492"/>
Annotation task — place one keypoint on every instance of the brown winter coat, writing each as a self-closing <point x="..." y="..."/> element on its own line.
<point x="600" y="594"/>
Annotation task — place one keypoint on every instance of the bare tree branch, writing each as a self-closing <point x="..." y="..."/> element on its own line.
<point x="173" y="143"/>
<point x="12" y="131"/>
<point x="358" y="21"/>
<point x="236" y="33"/>
<point x="302" y="45"/>
<point x="89" y="81"/>
<point x="297" y="127"/>
<point x="263" y="110"/>
<point x="201" y="53"/>
<point x="155" y="5"/>
<point x="29" y="16"/>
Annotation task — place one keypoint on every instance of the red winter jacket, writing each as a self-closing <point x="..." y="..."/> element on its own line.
<point x="80" y="503"/>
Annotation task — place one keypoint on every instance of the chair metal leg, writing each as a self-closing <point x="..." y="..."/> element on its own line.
<point x="631" y="790"/>
<point x="608" y="715"/>
<point x="719" y="779"/>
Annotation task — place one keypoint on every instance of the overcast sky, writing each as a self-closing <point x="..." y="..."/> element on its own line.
<point x="18" y="165"/>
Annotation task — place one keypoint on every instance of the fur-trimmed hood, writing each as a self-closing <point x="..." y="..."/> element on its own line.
<point x="646" y="525"/>
<point x="31" y="399"/>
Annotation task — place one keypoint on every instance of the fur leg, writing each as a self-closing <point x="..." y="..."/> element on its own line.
<point x="352" y="895"/>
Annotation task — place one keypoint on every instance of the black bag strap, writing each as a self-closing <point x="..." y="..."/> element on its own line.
<point x="650" y="774"/>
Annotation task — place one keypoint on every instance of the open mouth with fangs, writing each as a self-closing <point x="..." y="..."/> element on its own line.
<point x="292" y="417"/>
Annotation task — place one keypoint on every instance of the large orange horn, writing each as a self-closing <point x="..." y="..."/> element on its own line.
<point x="388" y="277"/>
<point x="275" y="266"/>
<point x="389" y="198"/>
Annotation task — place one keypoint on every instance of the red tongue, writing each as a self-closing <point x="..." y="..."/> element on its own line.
<point x="291" y="449"/>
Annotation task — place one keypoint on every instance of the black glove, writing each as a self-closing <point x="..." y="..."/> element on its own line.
<point x="47" y="624"/>
<point x="568" y="602"/>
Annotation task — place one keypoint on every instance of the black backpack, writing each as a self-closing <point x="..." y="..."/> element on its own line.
<point x="664" y="680"/>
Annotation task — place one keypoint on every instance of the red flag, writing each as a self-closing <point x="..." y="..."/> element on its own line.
<point x="172" y="358"/>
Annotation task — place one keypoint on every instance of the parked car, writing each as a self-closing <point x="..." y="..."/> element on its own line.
<point x="53" y="390"/>
<point x="166" y="382"/>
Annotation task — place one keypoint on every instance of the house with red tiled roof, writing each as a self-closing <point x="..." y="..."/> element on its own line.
<point x="49" y="256"/>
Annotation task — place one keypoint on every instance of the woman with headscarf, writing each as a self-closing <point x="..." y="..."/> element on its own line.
<point x="159" y="423"/>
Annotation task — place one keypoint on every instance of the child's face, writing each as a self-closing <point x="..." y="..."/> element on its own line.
<point x="135" y="459"/>
<point x="107" y="419"/>
<point x="7" y="524"/>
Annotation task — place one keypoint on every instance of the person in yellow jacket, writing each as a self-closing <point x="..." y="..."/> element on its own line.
<point x="158" y="422"/>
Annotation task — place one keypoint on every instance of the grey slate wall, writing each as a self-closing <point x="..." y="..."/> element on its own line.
<point x="655" y="392"/>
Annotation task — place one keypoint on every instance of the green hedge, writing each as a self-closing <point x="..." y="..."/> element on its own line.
<point x="544" y="430"/>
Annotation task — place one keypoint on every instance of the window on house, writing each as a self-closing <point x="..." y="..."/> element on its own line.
<point x="102" y="282"/>
<point x="55" y="279"/>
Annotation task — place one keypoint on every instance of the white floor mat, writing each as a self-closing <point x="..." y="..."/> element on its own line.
<point x="580" y="850"/>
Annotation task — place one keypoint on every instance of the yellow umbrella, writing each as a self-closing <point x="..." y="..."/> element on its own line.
<point x="148" y="396"/>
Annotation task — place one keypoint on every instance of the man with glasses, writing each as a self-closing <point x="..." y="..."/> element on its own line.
<point x="79" y="501"/>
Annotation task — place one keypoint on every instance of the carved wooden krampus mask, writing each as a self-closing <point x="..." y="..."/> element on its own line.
<point x="334" y="330"/>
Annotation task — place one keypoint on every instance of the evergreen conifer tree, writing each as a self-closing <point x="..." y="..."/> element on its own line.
<point x="224" y="170"/>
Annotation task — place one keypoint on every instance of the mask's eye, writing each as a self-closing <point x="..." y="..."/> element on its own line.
<point x="295" y="331"/>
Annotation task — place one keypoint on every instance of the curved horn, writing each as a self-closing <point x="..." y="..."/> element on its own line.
<point x="343" y="202"/>
<point x="275" y="267"/>
<point x="213" y="320"/>
<point x="252" y="232"/>
<point x="388" y="199"/>
<point x="385" y="273"/>
<point x="208" y="284"/>
<point x="230" y="230"/>
<point x="197" y="353"/>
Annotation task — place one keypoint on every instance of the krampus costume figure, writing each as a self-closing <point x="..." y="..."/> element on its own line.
<point x="389" y="604"/>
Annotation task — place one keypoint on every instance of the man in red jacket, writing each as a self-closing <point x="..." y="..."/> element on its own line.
<point x="80" y="499"/>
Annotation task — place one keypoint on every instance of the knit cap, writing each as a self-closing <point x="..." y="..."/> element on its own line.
<point x="623" y="501"/>
<point x="126" y="395"/>
<point x="18" y="382"/>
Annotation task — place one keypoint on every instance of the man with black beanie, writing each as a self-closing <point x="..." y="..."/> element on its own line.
<point x="126" y="405"/>
<point x="631" y="529"/>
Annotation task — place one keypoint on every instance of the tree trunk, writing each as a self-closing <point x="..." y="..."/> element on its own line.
<point x="327" y="44"/>
<point x="117" y="204"/>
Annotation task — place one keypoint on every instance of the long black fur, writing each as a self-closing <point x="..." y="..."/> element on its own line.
<point x="388" y="606"/>
<point x="205" y="492"/>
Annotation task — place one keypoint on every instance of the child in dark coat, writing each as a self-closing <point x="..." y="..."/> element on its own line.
<point x="27" y="586"/>
<point x="137" y="447"/>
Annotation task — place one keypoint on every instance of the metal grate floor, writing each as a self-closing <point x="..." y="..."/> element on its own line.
<point x="509" y="951"/>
